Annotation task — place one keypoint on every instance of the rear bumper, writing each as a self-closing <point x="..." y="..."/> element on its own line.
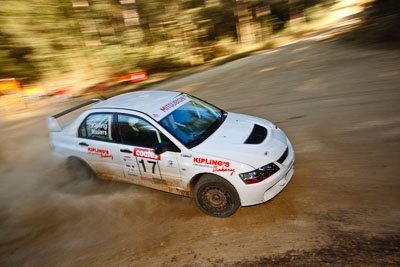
<point x="261" y="192"/>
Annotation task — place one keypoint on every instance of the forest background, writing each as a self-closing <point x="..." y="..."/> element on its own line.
<point x="84" y="42"/>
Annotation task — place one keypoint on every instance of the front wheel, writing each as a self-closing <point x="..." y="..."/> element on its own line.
<point x="216" y="196"/>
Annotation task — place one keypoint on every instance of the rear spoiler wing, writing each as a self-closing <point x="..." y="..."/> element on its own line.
<point x="52" y="123"/>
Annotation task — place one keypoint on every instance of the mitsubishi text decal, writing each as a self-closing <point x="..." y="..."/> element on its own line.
<point x="173" y="103"/>
<point x="169" y="107"/>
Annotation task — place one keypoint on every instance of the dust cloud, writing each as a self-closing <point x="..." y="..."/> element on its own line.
<point x="40" y="201"/>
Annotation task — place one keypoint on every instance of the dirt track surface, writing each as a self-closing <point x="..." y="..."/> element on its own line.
<point x="338" y="104"/>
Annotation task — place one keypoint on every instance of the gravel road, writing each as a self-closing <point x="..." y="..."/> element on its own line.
<point x="340" y="106"/>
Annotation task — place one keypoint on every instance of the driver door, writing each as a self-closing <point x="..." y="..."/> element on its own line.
<point x="138" y="139"/>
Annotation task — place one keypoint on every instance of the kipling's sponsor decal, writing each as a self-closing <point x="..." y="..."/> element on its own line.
<point x="211" y="162"/>
<point x="102" y="152"/>
<point x="216" y="165"/>
<point x="216" y="169"/>
<point x="146" y="153"/>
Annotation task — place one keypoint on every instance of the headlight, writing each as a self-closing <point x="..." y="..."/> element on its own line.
<point x="259" y="174"/>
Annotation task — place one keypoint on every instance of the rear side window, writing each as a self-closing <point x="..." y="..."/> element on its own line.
<point x="97" y="126"/>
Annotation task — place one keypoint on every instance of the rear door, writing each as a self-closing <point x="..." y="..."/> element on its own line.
<point x="96" y="145"/>
<point x="138" y="139"/>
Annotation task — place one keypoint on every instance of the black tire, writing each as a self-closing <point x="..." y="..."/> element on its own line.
<point x="79" y="169"/>
<point x="216" y="196"/>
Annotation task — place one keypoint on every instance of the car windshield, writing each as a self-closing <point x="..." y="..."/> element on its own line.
<point x="193" y="122"/>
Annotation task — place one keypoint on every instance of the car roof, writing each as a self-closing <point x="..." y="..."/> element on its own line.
<point x="143" y="101"/>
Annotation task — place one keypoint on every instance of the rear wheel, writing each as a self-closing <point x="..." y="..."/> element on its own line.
<point x="79" y="169"/>
<point x="216" y="196"/>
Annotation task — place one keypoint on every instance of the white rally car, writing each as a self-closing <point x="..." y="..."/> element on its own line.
<point x="177" y="143"/>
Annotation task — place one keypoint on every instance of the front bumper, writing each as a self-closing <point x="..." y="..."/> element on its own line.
<point x="253" y="194"/>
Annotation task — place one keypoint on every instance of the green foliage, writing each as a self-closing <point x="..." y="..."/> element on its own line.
<point x="42" y="39"/>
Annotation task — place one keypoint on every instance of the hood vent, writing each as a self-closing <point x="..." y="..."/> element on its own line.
<point x="257" y="136"/>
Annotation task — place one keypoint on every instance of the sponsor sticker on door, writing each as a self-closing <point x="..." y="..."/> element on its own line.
<point x="102" y="152"/>
<point x="146" y="153"/>
<point x="216" y="165"/>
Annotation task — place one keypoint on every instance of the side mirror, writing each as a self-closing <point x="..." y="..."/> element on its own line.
<point x="161" y="148"/>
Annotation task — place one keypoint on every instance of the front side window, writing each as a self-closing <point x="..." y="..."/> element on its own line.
<point x="193" y="122"/>
<point x="97" y="126"/>
<point x="138" y="132"/>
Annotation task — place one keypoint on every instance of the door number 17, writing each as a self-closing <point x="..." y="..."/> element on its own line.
<point x="153" y="168"/>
